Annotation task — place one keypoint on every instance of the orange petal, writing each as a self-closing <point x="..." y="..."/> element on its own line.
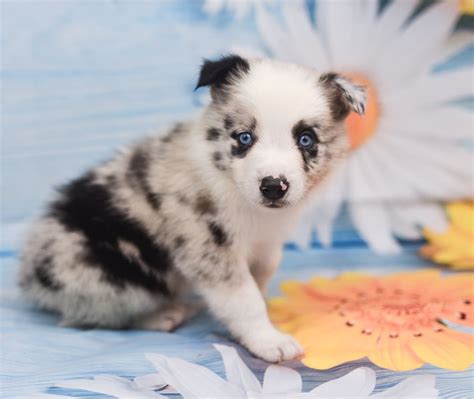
<point x="394" y="353"/>
<point x="459" y="285"/>
<point x="331" y="342"/>
<point x="290" y="287"/>
<point x="447" y="349"/>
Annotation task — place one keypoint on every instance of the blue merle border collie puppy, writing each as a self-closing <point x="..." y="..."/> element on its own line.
<point x="203" y="208"/>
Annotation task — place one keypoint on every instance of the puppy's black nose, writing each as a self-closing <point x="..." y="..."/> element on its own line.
<point x="274" y="189"/>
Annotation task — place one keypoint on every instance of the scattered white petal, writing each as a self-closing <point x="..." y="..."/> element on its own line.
<point x="357" y="384"/>
<point x="191" y="380"/>
<point x="153" y="382"/>
<point x="280" y="380"/>
<point x="236" y="370"/>
<point x="110" y="385"/>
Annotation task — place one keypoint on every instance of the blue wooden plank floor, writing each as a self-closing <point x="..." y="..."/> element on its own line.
<point x="36" y="353"/>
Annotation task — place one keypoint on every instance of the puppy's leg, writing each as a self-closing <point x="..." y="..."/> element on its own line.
<point x="168" y="317"/>
<point x="265" y="265"/>
<point x="238" y="303"/>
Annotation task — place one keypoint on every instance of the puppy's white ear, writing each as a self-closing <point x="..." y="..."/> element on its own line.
<point x="344" y="95"/>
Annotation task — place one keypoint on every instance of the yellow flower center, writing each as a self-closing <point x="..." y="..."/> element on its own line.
<point x="360" y="128"/>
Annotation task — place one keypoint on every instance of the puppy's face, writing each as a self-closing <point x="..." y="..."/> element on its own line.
<point x="276" y="129"/>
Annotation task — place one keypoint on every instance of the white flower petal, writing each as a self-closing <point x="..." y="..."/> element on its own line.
<point x="322" y="209"/>
<point x="446" y="123"/>
<point x="402" y="228"/>
<point x="303" y="233"/>
<point x="415" y="387"/>
<point x="339" y="23"/>
<point x="367" y="212"/>
<point x="280" y="380"/>
<point x="392" y="19"/>
<point x="153" y="381"/>
<point x="456" y="42"/>
<point x="421" y="214"/>
<point x="454" y="161"/>
<point x="304" y="38"/>
<point x="441" y="174"/>
<point x="328" y="204"/>
<point x="428" y="30"/>
<point x="191" y="380"/>
<point x="48" y="396"/>
<point x="431" y="90"/>
<point x="372" y="222"/>
<point x="236" y="370"/>
<point x="274" y="37"/>
<point x="110" y="385"/>
<point x="377" y="170"/>
<point x="359" y="383"/>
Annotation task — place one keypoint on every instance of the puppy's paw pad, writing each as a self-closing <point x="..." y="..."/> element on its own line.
<point x="276" y="347"/>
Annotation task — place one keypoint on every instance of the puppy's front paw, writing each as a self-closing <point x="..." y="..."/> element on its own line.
<point x="274" y="346"/>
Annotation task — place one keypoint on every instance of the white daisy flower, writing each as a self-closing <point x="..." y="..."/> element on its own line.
<point x="406" y="153"/>
<point x="197" y="382"/>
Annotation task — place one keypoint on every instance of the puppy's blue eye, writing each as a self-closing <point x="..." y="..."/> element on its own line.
<point x="245" y="138"/>
<point x="306" y="140"/>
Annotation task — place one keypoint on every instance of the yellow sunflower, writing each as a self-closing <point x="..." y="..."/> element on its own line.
<point x="454" y="247"/>
<point x="467" y="6"/>
<point x="396" y="321"/>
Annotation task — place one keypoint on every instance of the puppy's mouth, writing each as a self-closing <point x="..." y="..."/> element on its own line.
<point x="275" y="204"/>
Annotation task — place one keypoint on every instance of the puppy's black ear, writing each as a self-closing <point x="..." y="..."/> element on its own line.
<point x="218" y="73"/>
<point x="344" y="95"/>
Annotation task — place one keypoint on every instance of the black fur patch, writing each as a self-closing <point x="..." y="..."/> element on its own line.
<point x="218" y="234"/>
<point x="217" y="73"/>
<point x="205" y="206"/>
<point x="88" y="208"/>
<point x="308" y="154"/>
<point x="213" y="134"/>
<point x="44" y="276"/>
<point x="179" y="242"/>
<point x="337" y="100"/>
<point x="138" y="171"/>
<point x="228" y="122"/>
<point x="177" y="129"/>
<point x="217" y="159"/>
